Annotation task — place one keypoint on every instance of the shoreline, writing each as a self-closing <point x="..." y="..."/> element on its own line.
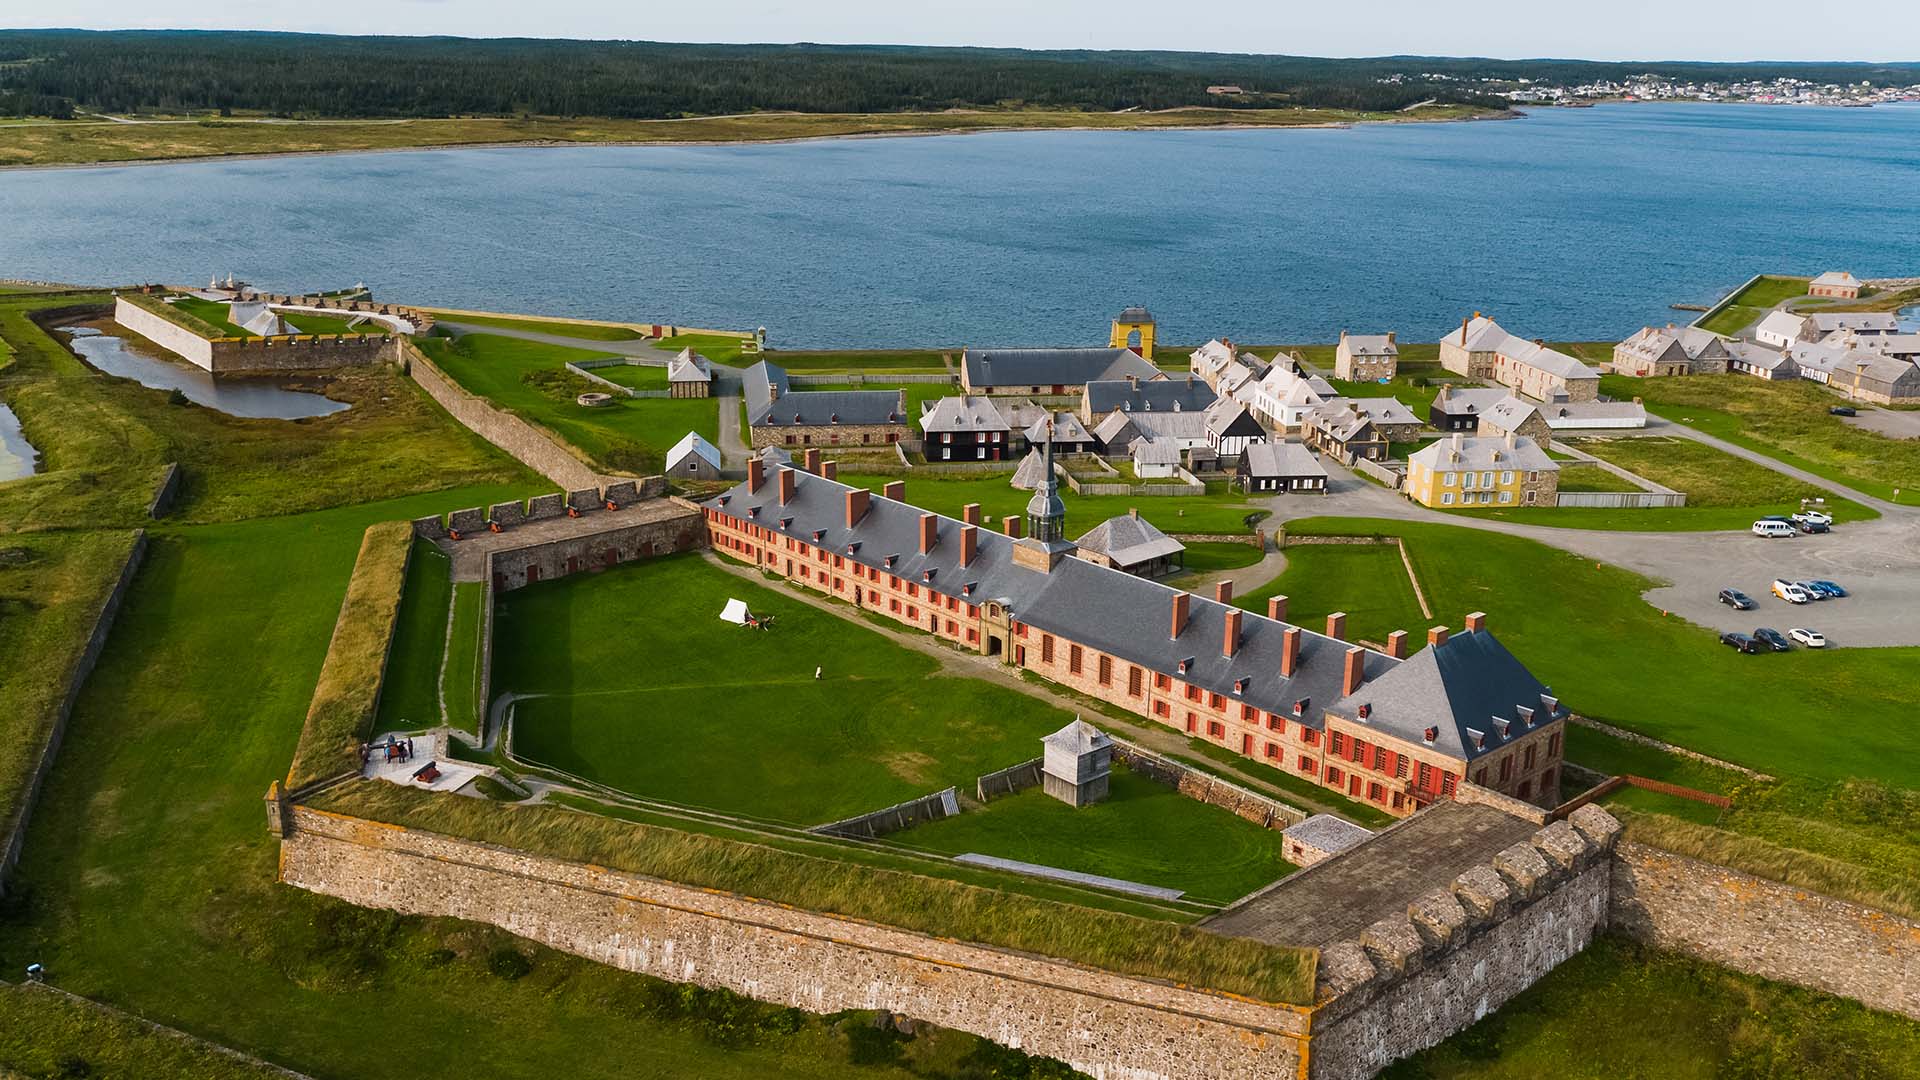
<point x="549" y="144"/>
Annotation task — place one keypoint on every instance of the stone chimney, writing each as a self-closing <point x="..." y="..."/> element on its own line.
<point x="1290" y="652"/>
<point x="1179" y="613"/>
<point x="1230" y="638"/>
<point x="969" y="543"/>
<point x="1277" y="608"/>
<point x="1397" y="644"/>
<point x="929" y="532"/>
<point x="830" y="469"/>
<point x="1337" y="625"/>
<point x="1390" y="337"/>
<point x="1223" y="592"/>
<point x="756" y="475"/>
<point x="813" y="460"/>
<point x="1476" y="622"/>
<point x="1013" y="525"/>
<point x="1355" y="671"/>
<point x="970" y="513"/>
<point x="1436" y="637"/>
<point x="786" y="485"/>
<point x="857" y="502"/>
<point x="895" y="490"/>
<point x="1463" y="329"/>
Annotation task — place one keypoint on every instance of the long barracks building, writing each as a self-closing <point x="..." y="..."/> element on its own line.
<point x="1396" y="732"/>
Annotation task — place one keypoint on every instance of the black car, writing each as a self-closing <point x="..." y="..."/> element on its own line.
<point x="1773" y="639"/>
<point x="1844" y="410"/>
<point x="1740" y="641"/>
<point x="1736" y="599"/>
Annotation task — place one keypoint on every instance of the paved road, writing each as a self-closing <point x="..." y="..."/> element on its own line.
<point x="1879" y="561"/>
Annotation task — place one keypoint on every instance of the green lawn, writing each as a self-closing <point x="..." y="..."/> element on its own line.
<point x="1610" y="655"/>
<point x="719" y="348"/>
<point x="653" y="694"/>
<point x="1787" y="421"/>
<point x="460" y="678"/>
<point x="583" y="331"/>
<point x="410" y="697"/>
<point x="1769" y="290"/>
<point x="1220" y="511"/>
<point x="213" y="313"/>
<point x="1584" y="476"/>
<point x="1714" y="479"/>
<point x="634" y="376"/>
<point x="1732" y="319"/>
<point x="1208" y="556"/>
<point x="44" y="1033"/>
<point x="1145" y="832"/>
<point x="1372" y="589"/>
<point x="529" y="378"/>
<point x="1621" y="1010"/>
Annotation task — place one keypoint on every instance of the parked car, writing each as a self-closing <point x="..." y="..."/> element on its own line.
<point x="1773" y="639"/>
<point x="1808" y="525"/>
<point x="1790" y="592"/>
<point x="1820" y="516"/>
<point x="1740" y="641"/>
<point x="1830" y="588"/>
<point x="1844" y="410"/>
<point x="1813" y="591"/>
<point x="1812" y="639"/>
<point x="1736" y="600"/>
<point x="1772" y="529"/>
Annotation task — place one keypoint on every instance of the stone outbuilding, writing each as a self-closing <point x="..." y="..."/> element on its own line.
<point x="1321" y="837"/>
<point x="1133" y="544"/>
<point x="1076" y="763"/>
<point x="1838" y="284"/>
<point x="690" y="375"/>
<point x="1366" y="357"/>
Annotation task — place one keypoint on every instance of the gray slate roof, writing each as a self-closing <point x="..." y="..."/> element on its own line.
<point x="1280" y="459"/>
<point x="1129" y="540"/>
<point x="1052" y="367"/>
<point x="689" y="366"/>
<point x="1033" y="468"/>
<point x="1483" y="452"/>
<point x="1078" y="737"/>
<point x="692" y="444"/>
<point x="770" y="403"/>
<point x="1100" y="607"/>
<point x="1509" y="413"/>
<point x="1067" y="428"/>
<point x="1471" y="400"/>
<point x="1229" y="417"/>
<point x="1370" y="345"/>
<point x="1154" y="451"/>
<point x="1471" y="690"/>
<point x="1872" y="322"/>
<point x="1188" y="393"/>
<point x="1330" y="834"/>
<point x="962" y="413"/>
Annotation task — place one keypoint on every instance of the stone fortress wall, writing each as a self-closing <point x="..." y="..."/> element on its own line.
<point x="520" y="439"/>
<point x="252" y="355"/>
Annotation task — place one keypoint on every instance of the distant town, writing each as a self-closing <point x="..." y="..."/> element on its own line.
<point x="1655" y="87"/>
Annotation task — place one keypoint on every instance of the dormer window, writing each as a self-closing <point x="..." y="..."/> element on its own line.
<point x="927" y="575"/>
<point x="891" y="559"/>
<point x="1479" y="738"/>
<point x="725" y="499"/>
<point x="786" y="523"/>
<point x="1430" y="734"/>
<point x="1525" y="713"/>
<point x="1300" y="706"/>
<point x="818" y="534"/>
<point x="1366" y="709"/>
<point x="1239" y="686"/>
<point x="853" y="547"/>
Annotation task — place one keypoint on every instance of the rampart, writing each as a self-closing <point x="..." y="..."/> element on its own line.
<point x="1262" y="811"/>
<point x="1113" y="1027"/>
<point x="233" y="355"/>
<point x="533" y="447"/>
<point x="1766" y="928"/>
<point x="15" y="836"/>
<point x="669" y="527"/>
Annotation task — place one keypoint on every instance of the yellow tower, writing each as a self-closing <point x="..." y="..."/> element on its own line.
<point x="1134" y="320"/>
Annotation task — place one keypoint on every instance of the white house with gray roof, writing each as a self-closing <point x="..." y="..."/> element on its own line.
<point x="1280" y="467"/>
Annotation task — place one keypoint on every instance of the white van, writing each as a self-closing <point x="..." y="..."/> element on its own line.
<point x="1771" y="529"/>
<point x="1791" y="593"/>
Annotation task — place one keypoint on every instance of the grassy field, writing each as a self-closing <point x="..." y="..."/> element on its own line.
<point x="529" y="378"/>
<point x="1612" y="656"/>
<point x="1581" y="476"/>
<point x="1220" y="511"/>
<point x="1619" y="1011"/>
<point x="1787" y="421"/>
<point x="1372" y="589"/>
<point x="1769" y="290"/>
<point x="584" y="331"/>
<point x="410" y="695"/>
<point x="1716" y="480"/>
<point x="635" y="376"/>
<point x="1732" y="319"/>
<point x="213" y="313"/>
<point x="1208" y="556"/>
<point x="44" y="1033"/>
<point x="680" y="706"/>
<point x="460" y="678"/>
<point x="1145" y="832"/>
<point x="83" y="142"/>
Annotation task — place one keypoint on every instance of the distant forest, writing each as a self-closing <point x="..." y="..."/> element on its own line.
<point x="53" y="72"/>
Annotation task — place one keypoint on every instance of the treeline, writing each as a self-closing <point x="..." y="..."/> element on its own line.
<point x="297" y="75"/>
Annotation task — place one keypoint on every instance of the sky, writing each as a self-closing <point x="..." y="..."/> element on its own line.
<point x="1614" y="30"/>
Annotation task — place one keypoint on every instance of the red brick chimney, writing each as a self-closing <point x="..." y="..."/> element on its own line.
<point x="1356" y="670"/>
<point x="1179" y="613"/>
<point x="1230" y="639"/>
<point x="786" y="485"/>
<point x="756" y="475"/>
<point x="813" y="460"/>
<point x="1290" y="651"/>
<point x="1476" y="622"/>
<point x="1013" y="525"/>
<point x="1223" y="592"/>
<point x="1463" y="329"/>
<point x="1436" y="637"/>
<point x="857" y="501"/>
<point x="969" y="543"/>
<point x="830" y="469"/>
<point x="1277" y="608"/>
<point x="1397" y="644"/>
<point x="929" y="534"/>
<point x="970" y="513"/>
<point x="1337" y="625"/>
<point x="895" y="490"/>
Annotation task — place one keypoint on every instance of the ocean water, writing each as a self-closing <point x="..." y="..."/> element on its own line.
<point x="18" y="458"/>
<point x="1570" y="224"/>
<point x="248" y="396"/>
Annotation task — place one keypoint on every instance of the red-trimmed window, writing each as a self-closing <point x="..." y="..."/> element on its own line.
<point x="1160" y="709"/>
<point x="1307" y="766"/>
<point x="1105" y="671"/>
<point x="1134" y="680"/>
<point x="1073" y="659"/>
<point x="1046" y="648"/>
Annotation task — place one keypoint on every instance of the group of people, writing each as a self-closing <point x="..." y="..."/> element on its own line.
<point x="395" y="750"/>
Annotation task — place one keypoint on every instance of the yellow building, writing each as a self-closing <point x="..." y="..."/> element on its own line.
<point x="1133" y="329"/>
<point x="1465" y="470"/>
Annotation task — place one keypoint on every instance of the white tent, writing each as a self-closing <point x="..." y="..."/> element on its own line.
<point x="736" y="613"/>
